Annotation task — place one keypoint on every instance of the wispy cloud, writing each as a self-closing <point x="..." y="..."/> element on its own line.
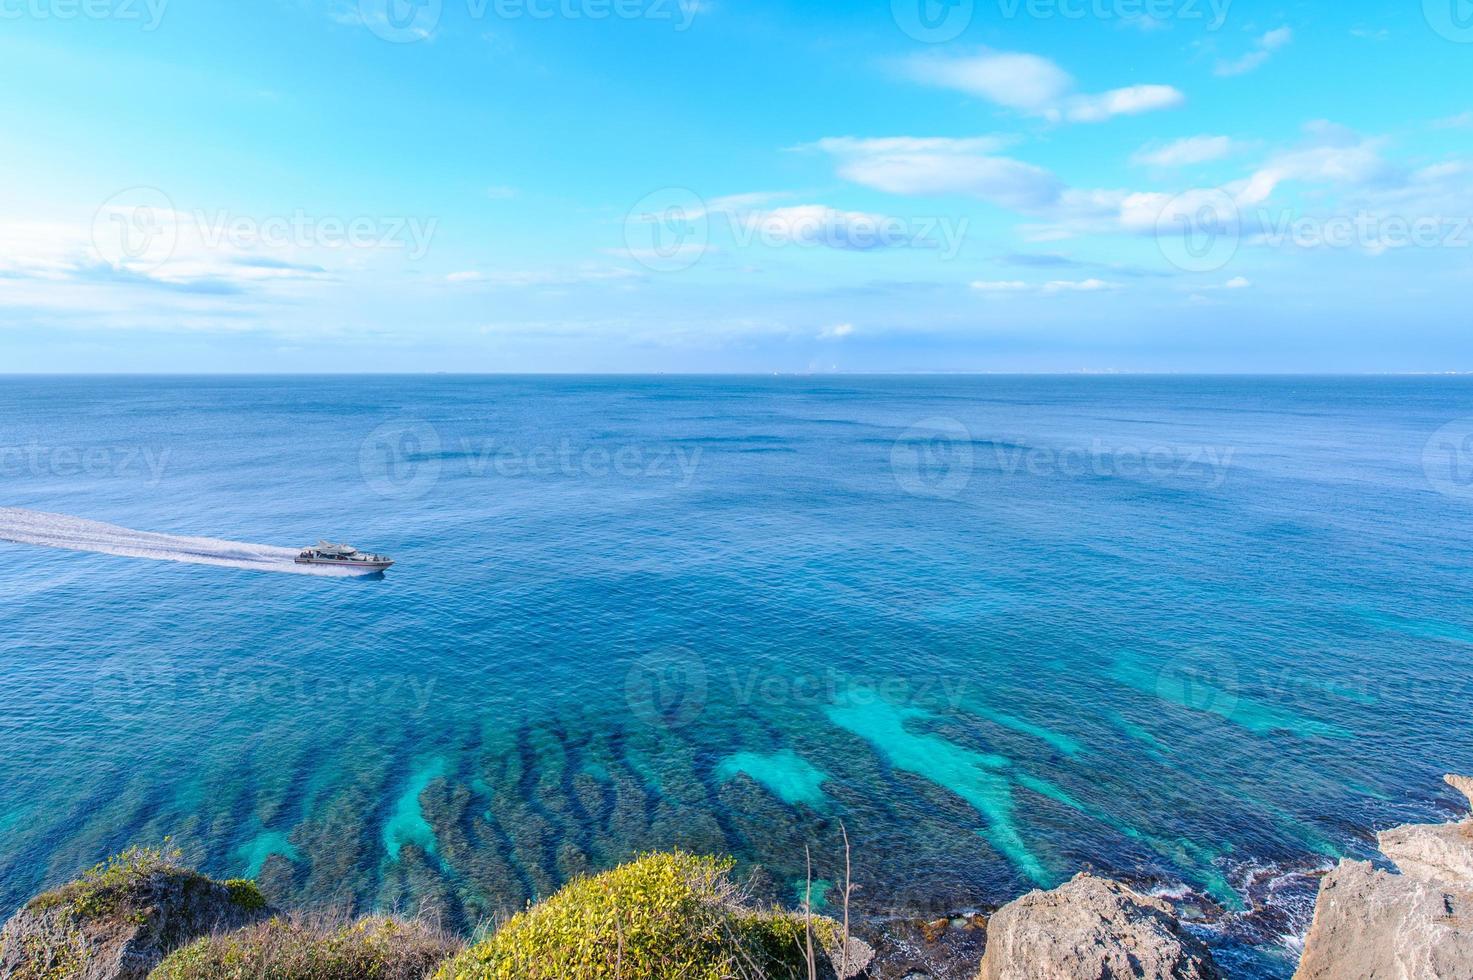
<point x="1185" y="152"/>
<point x="1263" y="49"/>
<point x="1045" y="288"/>
<point x="1461" y="121"/>
<point x="1036" y="86"/>
<point x="912" y="165"/>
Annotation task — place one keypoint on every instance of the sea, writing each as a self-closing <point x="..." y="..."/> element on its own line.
<point x="1204" y="634"/>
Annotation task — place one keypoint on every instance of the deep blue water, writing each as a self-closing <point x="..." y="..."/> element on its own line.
<point x="1202" y="633"/>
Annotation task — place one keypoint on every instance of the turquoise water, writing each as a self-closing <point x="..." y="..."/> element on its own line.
<point x="1204" y="634"/>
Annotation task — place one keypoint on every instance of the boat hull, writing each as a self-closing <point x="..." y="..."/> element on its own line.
<point x="359" y="566"/>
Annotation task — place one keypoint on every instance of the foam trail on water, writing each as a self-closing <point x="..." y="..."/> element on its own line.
<point x="78" y="534"/>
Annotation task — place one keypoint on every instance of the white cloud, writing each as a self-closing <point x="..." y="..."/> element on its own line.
<point x="1461" y="121"/>
<point x="553" y="277"/>
<point x="837" y="332"/>
<point x="1131" y="101"/>
<point x="1263" y="48"/>
<point x="501" y="192"/>
<point x="1185" y="152"/>
<point x="1052" y="287"/>
<point x="817" y="224"/>
<point x="1237" y="282"/>
<point x="910" y="165"/>
<point x="1036" y="86"/>
<point x="1025" y="82"/>
<point x="1086" y="286"/>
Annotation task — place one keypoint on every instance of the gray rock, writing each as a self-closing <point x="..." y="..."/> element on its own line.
<point x="1431" y="852"/>
<point x="1416" y="924"/>
<point x="849" y="960"/>
<point x="120" y="920"/>
<point x="1092" y="929"/>
<point x="1373" y="925"/>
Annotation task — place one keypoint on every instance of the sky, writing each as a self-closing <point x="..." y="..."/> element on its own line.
<point x="736" y="185"/>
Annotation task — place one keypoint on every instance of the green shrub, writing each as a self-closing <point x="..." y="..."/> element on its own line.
<point x="106" y="888"/>
<point x="661" y="916"/>
<point x="294" y="949"/>
<point x="142" y="900"/>
<point x="243" y="892"/>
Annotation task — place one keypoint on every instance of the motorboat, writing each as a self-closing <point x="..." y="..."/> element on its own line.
<point x="343" y="556"/>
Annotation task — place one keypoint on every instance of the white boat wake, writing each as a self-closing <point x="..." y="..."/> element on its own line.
<point x="35" y="527"/>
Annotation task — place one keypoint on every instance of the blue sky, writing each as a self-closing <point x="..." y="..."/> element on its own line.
<point x="732" y="185"/>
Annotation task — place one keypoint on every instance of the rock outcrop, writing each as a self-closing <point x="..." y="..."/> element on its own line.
<point x="119" y="921"/>
<point x="1413" y="925"/>
<point x="1092" y="929"/>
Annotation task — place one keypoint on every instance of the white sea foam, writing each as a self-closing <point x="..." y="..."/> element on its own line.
<point x="78" y="534"/>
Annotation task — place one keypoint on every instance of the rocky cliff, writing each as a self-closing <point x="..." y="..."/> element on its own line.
<point x="1413" y="923"/>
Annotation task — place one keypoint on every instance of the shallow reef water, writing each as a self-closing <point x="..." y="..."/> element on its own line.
<point x="1203" y="634"/>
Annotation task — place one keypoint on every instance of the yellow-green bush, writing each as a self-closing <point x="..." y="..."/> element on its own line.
<point x="661" y="916"/>
<point x="287" y="949"/>
<point x="143" y="901"/>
